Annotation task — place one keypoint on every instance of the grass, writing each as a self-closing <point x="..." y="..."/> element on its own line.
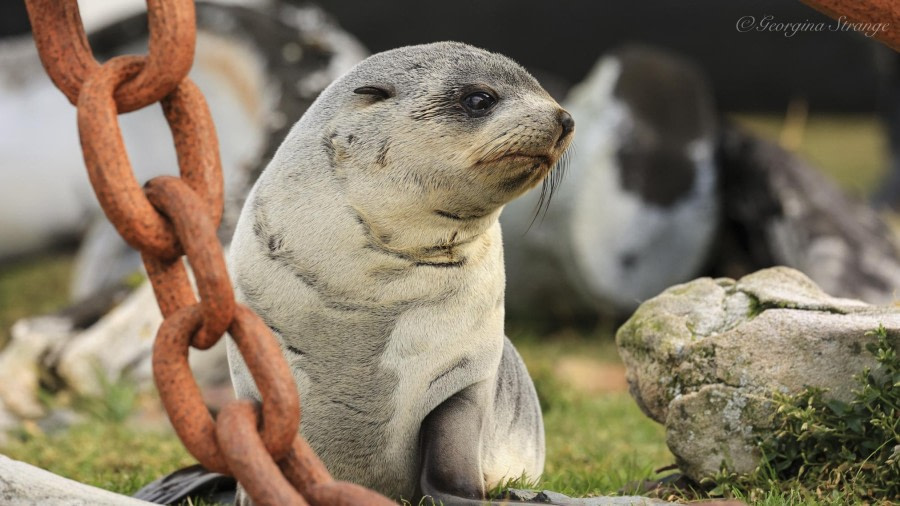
<point x="105" y="453"/>
<point x="598" y="441"/>
<point x="32" y="286"/>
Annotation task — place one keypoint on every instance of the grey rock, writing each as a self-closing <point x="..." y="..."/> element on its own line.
<point x="705" y="357"/>
<point x="23" y="484"/>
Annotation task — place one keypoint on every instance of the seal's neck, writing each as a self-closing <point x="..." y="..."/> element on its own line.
<point x="436" y="237"/>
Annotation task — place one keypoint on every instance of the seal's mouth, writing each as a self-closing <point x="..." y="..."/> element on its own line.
<point x="517" y="159"/>
<point x="519" y="172"/>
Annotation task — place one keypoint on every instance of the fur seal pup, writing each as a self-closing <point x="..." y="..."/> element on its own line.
<point x="372" y="248"/>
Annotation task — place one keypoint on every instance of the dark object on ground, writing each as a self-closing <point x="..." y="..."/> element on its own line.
<point x="90" y="309"/>
<point x="779" y="210"/>
<point x="193" y="482"/>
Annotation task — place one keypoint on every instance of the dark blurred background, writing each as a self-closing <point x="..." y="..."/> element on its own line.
<point x="561" y="41"/>
<point x="835" y="71"/>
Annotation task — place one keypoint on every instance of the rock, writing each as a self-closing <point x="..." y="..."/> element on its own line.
<point x="25" y="485"/>
<point x="21" y="362"/>
<point x="704" y="358"/>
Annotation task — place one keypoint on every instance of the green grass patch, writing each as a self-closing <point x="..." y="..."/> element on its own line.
<point x="106" y="449"/>
<point x="600" y="446"/>
<point x="33" y="286"/>
<point x="597" y="443"/>
<point x="104" y="453"/>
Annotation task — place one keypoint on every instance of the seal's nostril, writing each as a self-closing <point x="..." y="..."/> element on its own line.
<point x="568" y="124"/>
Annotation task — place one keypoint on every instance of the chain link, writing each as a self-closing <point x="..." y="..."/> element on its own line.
<point x="68" y="59"/>
<point x="171" y="218"/>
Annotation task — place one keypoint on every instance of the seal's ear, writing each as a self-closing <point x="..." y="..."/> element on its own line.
<point x="380" y="92"/>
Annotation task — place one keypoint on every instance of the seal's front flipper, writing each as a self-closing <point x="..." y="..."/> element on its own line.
<point x="451" y="450"/>
<point x="451" y="441"/>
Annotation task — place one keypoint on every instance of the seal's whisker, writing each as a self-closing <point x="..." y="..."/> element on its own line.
<point x="495" y="151"/>
<point x="497" y="145"/>
<point x="492" y="141"/>
<point x="549" y="186"/>
<point x="499" y="136"/>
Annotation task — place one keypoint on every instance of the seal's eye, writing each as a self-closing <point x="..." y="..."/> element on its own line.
<point x="478" y="102"/>
<point x="379" y="92"/>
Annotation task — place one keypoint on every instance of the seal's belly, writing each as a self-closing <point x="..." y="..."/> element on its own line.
<point x="364" y="401"/>
<point x="357" y="439"/>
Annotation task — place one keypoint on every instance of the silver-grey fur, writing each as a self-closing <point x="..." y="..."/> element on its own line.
<point x="371" y="246"/>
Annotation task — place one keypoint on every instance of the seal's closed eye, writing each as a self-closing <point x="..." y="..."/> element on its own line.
<point x="381" y="92"/>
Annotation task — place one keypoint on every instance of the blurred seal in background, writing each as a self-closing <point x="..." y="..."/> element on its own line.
<point x="638" y="208"/>
<point x="259" y="66"/>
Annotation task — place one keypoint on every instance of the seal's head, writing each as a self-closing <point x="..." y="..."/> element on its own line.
<point x="442" y="128"/>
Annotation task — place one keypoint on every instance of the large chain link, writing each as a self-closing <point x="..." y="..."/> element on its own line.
<point x="171" y="218"/>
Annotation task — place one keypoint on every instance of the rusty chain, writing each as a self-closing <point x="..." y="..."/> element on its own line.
<point x="171" y="218"/>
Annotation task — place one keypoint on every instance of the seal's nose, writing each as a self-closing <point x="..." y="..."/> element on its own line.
<point x="567" y="123"/>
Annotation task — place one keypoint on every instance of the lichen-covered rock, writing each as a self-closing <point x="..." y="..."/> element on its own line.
<point x="704" y="358"/>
